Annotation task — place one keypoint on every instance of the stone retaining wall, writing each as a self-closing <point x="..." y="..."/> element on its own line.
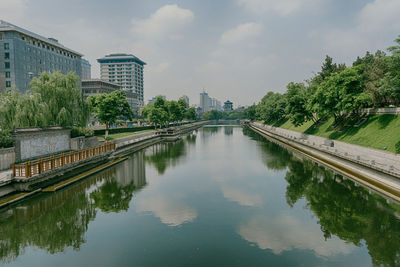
<point x="7" y="158"/>
<point x="82" y="142"/>
<point x="39" y="142"/>
<point x="380" y="160"/>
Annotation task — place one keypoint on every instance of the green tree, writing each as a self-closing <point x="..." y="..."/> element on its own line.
<point x="175" y="112"/>
<point x="58" y="100"/>
<point x="107" y="108"/>
<point x="190" y="114"/>
<point x="213" y="115"/>
<point x="395" y="50"/>
<point x="250" y="112"/>
<point x="342" y="91"/>
<point x="156" y="115"/>
<point x="296" y="99"/>
<point x="271" y="107"/>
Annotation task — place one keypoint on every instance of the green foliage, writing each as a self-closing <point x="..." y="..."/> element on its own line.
<point x="337" y="90"/>
<point x="296" y="99"/>
<point x="397" y="147"/>
<point x="396" y="48"/>
<point x="6" y="139"/>
<point x="53" y="99"/>
<point x="190" y="114"/>
<point x="107" y="108"/>
<point x="213" y="115"/>
<point x="271" y="108"/>
<point x="175" y="111"/>
<point x="81" y="131"/>
<point x="59" y="100"/>
<point x="163" y="111"/>
<point x="250" y="112"/>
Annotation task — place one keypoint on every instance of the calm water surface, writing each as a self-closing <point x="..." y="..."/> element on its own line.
<point x="222" y="196"/>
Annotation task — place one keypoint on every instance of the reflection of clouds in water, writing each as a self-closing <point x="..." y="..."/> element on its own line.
<point x="241" y="197"/>
<point x="285" y="232"/>
<point x="171" y="212"/>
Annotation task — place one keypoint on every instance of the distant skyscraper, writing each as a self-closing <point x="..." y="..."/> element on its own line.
<point x="127" y="71"/>
<point x="86" y="69"/>
<point x="215" y="104"/>
<point x="186" y="98"/>
<point x="25" y="54"/>
<point x="228" y="105"/>
<point x="205" y="102"/>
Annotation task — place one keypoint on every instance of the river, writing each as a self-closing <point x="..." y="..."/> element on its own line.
<point x="221" y="196"/>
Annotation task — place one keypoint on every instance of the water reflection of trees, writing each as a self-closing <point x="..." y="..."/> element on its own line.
<point x="344" y="209"/>
<point x="274" y="156"/>
<point x="115" y="194"/>
<point x="55" y="221"/>
<point x="228" y="130"/>
<point x="168" y="154"/>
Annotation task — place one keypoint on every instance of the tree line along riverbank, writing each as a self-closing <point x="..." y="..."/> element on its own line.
<point x="330" y="103"/>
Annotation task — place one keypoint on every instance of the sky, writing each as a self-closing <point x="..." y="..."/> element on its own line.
<point x="233" y="49"/>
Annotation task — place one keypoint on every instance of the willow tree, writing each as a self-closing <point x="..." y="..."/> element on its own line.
<point x="65" y="105"/>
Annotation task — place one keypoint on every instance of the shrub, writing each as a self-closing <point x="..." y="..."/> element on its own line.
<point x="81" y="131"/>
<point x="6" y="139"/>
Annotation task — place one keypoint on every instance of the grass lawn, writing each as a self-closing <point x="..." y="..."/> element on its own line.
<point x="378" y="131"/>
<point x="121" y="135"/>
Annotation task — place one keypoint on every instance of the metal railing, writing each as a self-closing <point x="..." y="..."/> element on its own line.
<point x="36" y="167"/>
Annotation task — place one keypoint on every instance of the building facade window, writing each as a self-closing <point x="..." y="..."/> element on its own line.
<point x="8" y="83"/>
<point x="7" y="65"/>
<point x="6" y="55"/>
<point x="7" y="74"/>
<point x="6" y="46"/>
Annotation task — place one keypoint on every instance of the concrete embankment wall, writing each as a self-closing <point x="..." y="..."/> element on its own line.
<point x="386" y="162"/>
<point x="7" y="158"/>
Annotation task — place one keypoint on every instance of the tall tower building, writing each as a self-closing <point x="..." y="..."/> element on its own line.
<point x="24" y="54"/>
<point x="205" y="102"/>
<point x="127" y="71"/>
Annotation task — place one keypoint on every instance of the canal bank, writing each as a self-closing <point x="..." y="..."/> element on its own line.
<point x="375" y="169"/>
<point x="55" y="178"/>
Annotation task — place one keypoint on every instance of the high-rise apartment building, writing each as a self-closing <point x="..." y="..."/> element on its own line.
<point x="216" y="104"/>
<point x="205" y="102"/>
<point x="127" y="71"/>
<point x="24" y="54"/>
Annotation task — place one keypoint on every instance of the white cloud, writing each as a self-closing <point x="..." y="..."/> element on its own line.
<point x="284" y="233"/>
<point x="171" y="212"/>
<point x="282" y="7"/>
<point x="241" y="32"/>
<point x="242" y="197"/>
<point x="166" y="21"/>
<point x="12" y="10"/>
<point x="374" y="24"/>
